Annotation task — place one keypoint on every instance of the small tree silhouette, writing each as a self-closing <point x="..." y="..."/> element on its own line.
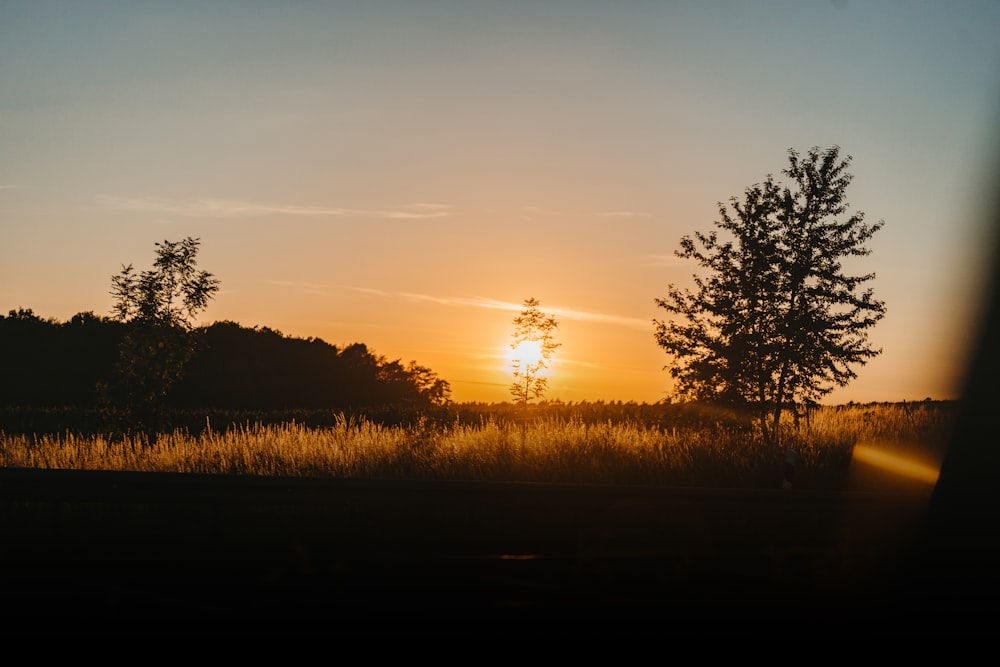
<point x="533" y="345"/>
<point x="159" y="307"/>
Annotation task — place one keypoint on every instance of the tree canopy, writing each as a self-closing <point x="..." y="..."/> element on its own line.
<point x="777" y="319"/>
<point x="172" y="293"/>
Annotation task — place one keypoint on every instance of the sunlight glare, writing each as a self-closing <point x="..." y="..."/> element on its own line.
<point x="528" y="352"/>
<point x="897" y="463"/>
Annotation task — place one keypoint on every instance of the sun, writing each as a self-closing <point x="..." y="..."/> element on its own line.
<point x="527" y="352"/>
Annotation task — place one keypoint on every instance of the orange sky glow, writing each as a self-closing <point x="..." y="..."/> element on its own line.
<point x="405" y="175"/>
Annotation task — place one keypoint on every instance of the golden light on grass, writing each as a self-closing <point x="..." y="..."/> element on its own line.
<point x="897" y="463"/>
<point x="866" y="447"/>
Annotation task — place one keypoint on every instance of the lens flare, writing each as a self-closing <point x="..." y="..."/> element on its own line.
<point x="897" y="463"/>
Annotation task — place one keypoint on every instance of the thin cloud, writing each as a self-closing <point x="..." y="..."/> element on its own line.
<point x="11" y="186"/>
<point x="625" y="214"/>
<point x="581" y="364"/>
<point x="414" y="211"/>
<point x="480" y="382"/>
<point x="476" y="302"/>
<point x="494" y="304"/>
<point x="603" y="318"/>
<point x="538" y="210"/>
<point x="230" y="208"/>
<point x="531" y="212"/>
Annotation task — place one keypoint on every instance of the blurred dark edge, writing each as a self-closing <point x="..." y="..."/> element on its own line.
<point x="956" y="558"/>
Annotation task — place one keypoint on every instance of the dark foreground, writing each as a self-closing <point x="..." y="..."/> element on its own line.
<point x="175" y="554"/>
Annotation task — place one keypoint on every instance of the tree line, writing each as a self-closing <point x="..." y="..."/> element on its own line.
<point x="84" y="363"/>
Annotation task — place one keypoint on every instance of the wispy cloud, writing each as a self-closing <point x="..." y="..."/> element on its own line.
<point x="424" y="210"/>
<point x="532" y="212"/>
<point x="625" y="214"/>
<point x="604" y="318"/>
<point x="231" y="208"/>
<point x="494" y="304"/>
<point x="476" y="302"/>
<point x="480" y="382"/>
<point x="11" y="186"/>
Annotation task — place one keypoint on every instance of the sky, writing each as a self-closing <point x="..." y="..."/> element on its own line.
<point x="406" y="174"/>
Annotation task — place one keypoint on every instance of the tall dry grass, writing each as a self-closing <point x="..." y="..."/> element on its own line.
<point x="559" y="450"/>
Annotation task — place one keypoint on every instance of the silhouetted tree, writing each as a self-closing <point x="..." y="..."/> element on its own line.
<point x="778" y="322"/>
<point x="159" y="305"/>
<point x="533" y="344"/>
<point x="430" y="388"/>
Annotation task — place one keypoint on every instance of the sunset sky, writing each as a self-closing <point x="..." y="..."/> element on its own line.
<point x="405" y="174"/>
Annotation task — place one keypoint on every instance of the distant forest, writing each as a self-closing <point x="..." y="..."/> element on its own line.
<point x="51" y="364"/>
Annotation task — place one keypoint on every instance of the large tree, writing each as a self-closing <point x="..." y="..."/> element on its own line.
<point x="778" y="321"/>
<point x="159" y="306"/>
<point x="533" y="343"/>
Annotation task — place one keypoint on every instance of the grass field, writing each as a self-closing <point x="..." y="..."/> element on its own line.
<point x="837" y="447"/>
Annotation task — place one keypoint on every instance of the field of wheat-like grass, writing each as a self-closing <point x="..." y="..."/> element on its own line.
<point x="821" y="452"/>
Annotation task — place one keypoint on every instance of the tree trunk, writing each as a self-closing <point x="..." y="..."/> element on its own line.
<point x="779" y="402"/>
